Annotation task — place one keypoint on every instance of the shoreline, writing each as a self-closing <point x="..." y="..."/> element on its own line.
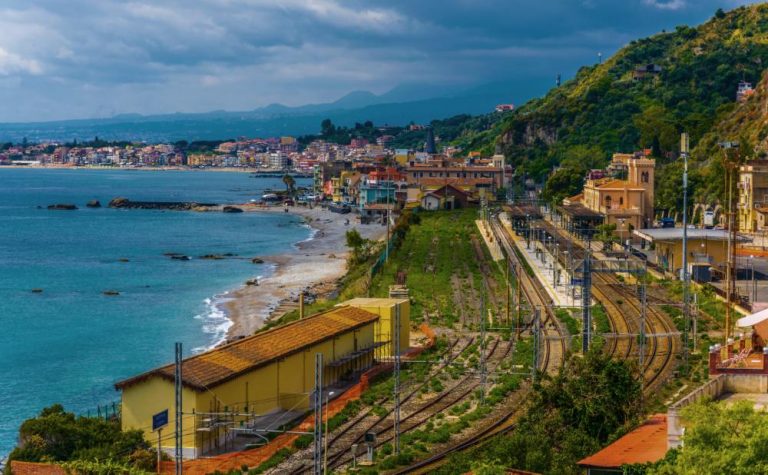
<point x="314" y="265"/>
<point x="173" y="168"/>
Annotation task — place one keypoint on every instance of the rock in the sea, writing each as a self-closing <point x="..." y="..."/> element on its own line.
<point x="37" y="290"/>
<point x="181" y="257"/>
<point x="232" y="209"/>
<point x="62" y="207"/>
<point x="252" y="282"/>
<point x="93" y="204"/>
<point x="111" y="292"/>
<point x="119" y="202"/>
<point x="257" y="260"/>
<point x="215" y="257"/>
<point x="123" y="259"/>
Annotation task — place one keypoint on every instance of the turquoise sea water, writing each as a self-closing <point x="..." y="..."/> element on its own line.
<point x="71" y="343"/>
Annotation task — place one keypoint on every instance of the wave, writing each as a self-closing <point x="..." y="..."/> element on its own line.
<point x="215" y="321"/>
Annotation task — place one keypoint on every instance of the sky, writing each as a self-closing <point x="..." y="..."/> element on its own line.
<point x="99" y="58"/>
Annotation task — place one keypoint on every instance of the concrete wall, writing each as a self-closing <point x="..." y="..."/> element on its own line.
<point x="712" y="389"/>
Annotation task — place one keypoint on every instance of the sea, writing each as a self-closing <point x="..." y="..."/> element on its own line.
<point x="70" y="342"/>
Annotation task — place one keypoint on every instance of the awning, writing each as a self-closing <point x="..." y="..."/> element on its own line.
<point x="754" y="319"/>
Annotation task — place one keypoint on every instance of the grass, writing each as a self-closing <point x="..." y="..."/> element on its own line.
<point x="436" y="252"/>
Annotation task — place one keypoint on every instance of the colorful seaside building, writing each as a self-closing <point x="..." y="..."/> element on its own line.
<point x="268" y="376"/>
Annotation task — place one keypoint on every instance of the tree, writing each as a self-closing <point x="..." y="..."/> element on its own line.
<point x="719" y="14"/>
<point x="290" y="183"/>
<point x="719" y="438"/>
<point x="606" y="233"/>
<point x="327" y="128"/>
<point x="59" y="436"/>
<point x="588" y="402"/>
<point x="361" y="247"/>
<point x="563" y="183"/>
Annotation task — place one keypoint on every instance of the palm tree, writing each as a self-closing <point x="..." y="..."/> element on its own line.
<point x="289" y="183"/>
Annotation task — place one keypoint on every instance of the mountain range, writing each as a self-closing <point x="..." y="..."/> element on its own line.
<point x="402" y="105"/>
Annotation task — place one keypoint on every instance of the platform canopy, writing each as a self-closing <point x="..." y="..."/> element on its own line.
<point x="758" y="321"/>
<point x="754" y="319"/>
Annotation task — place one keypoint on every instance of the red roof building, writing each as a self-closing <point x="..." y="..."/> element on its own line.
<point x="647" y="443"/>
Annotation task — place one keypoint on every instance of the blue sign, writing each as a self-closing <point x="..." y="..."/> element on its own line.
<point x="577" y="281"/>
<point x="160" y="420"/>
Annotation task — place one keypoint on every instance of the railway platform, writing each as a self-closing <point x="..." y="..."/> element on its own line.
<point x="553" y="277"/>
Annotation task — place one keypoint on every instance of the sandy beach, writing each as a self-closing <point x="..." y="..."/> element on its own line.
<point x="316" y="264"/>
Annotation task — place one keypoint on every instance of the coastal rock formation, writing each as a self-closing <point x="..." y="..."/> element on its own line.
<point x="37" y="290"/>
<point x="257" y="260"/>
<point x="93" y="204"/>
<point x="232" y="209"/>
<point x="181" y="257"/>
<point x="125" y="203"/>
<point x="214" y="257"/>
<point x="111" y="292"/>
<point x="62" y="207"/>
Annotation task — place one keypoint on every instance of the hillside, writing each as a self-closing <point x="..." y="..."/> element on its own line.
<point x="603" y="109"/>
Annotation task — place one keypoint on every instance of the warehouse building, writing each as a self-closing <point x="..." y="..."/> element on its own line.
<point x="228" y="390"/>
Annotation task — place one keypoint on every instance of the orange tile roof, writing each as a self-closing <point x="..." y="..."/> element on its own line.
<point x="32" y="468"/>
<point x="229" y="361"/>
<point x="647" y="443"/>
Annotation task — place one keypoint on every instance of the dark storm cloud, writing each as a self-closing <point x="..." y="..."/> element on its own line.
<point x="85" y="58"/>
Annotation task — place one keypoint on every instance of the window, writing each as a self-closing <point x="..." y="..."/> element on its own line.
<point x="608" y="202"/>
<point x="621" y="201"/>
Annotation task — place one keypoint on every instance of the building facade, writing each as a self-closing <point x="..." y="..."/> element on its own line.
<point x="627" y="203"/>
<point x="753" y="195"/>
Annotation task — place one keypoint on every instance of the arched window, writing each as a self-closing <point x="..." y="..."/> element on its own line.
<point x="608" y="202"/>
<point x="644" y="177"/>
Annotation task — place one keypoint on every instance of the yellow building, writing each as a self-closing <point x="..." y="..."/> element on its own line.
<point x="628" y="203"/>
<point x="259" y="375"/>
<point x="387" y="309"/>
<point x="706" y="247"/>
<point x="753" y="195"/>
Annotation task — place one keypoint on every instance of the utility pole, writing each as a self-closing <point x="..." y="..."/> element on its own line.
<point x="179" y="412"/>
<point x="643" y="307"/>
<point x="483" y="369"/>
<point x="396" y="389"/>
<point x="536" y="337"/>
<point x="586" y="301"/>
<point x="318" y="435"/>
<point x="684" y="145"/>
<point x="731" y="228"/>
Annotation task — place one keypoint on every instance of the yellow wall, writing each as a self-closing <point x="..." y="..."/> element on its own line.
<point x="385" y="308"/>
<point x="285" y="385"/>
<point x="673" y="251"/>
<point x="141" y="401"/>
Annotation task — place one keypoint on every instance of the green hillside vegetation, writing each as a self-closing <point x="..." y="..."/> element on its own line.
<point x="603" y="110"/>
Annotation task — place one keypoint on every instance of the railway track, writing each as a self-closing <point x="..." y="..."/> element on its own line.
<point x="455" y="350"/>
<point x="662" y="343"/>
<point x="554" y="352"/>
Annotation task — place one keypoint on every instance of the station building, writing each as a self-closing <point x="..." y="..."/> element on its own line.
<point x="272" y="372"/>
<point x="707" y="249"/>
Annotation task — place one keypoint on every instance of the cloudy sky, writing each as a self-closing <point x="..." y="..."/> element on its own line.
<point x="97" y="58"/>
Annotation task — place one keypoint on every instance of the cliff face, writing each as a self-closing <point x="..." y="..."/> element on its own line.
<point x="646" y="94"/>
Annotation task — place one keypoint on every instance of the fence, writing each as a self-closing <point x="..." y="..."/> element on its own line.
<point x="111" y="410"/>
